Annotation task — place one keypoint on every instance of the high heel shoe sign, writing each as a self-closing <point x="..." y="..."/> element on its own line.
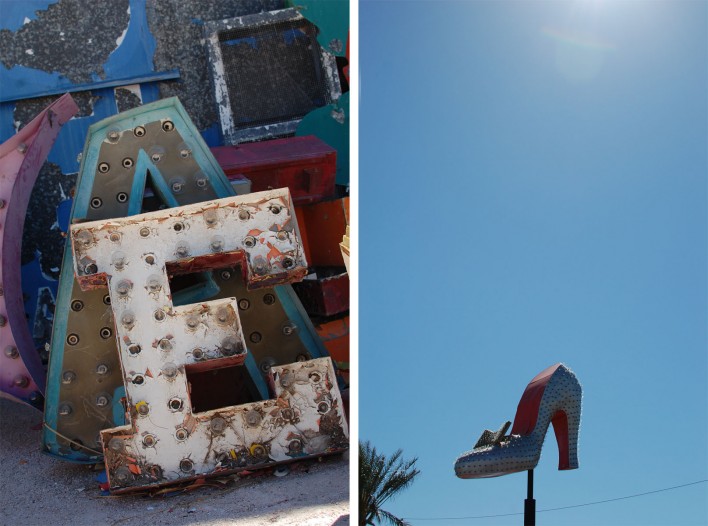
<point x="553" y="396"/>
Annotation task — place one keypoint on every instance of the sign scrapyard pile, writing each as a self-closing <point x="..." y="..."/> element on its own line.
<point x="179" y="349"/>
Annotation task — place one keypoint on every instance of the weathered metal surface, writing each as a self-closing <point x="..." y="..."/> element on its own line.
<point x="322" y="226"/>
<point x="22" y="374"/>
<point x="331" y="124"/>
<point x="305" y="165"/>
<point x="324" y="292"/>
<point x="258" y="227"/>
<point x="268" y="71"/>
<point x="165" y="445"/>
<point x="84" y="366"/>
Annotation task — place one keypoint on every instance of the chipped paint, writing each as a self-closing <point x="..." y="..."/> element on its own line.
<point x="22" y="374"/>
<point x="228" y="72"/>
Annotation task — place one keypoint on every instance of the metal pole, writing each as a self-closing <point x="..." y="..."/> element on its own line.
<point x="530" y="503"/>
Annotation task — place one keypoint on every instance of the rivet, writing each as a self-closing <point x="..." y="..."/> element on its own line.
<point x="22" y="148"/>
<point x="288" y="262"/>
<point x="217" y="244"/>
<point x="197" y="354"/>
<point x="230" y="346"/>
<point x="210" y="217"/>
<point x="258" y="451"/>
<point x="269" y="299"/>
<point x="21" y="381"/>
<point x="123" y="287"/>
<point x="181" y="434"/>
<point x="134" y="349"/>
<point x="217" y="424"/>
<point x="84" y="237"/>
<point x="144" y="232"/>
<point x="275" y="209"/>
<point x="123" y="475"/>
<point x="105" y="332"/>
<point x="139" y="131"/>
<point x="128" y="320"/>
<point x="127" y="162"/>
<point x="72" y="339"/>
<point x="288" y="329"/>
<point x="266" y="364"/>
<point x="165" y="344"/>
<point x="260" y="266"/>
<point x="121" y="197"/>
<point x="113" y="135"/>
<point x="315" y="377"/>
<point x="243" y="215"/>
<point x="104" y="167"/>
<point x="65" y="410"/>
<point x="154" y="284"/>
<point x="244" y="304"/>
<point x="192" y="321"/>
<point x="255" y="337"/>
<point x="156" y="157"/>
<point x="302" y="358"/>
<point x="77" y="305"/>
<point x="149" y="440"/>
<point x="182" y="250"/>
<point x="175" y="404"/>
<point x="295" y="446"/>
<point x="185" y="465"/>
<point x="118" y="259"/>
<point x="222" y="315"/>
<point x="253" y="418"/>
<point x="168" y="126"/>
<point x="249" y="241"/>
<point x="102" y="400"/>
<point x="201" y="182"/>
<point x="102" y="369"/>
<point x="138" y="379"/>
<point x="282" y="235"/>
<point x="177" y="187"/>
<point x="96" y="202"/>
<point x="143" y="408"/>
<point x="184" y="153"/>
<point x="159" y="315"/>
<point x="169" y="370"/>
<point x="322" y="407"/>
<point x="90" y="269"/>
<point x="225" y="275"/>
<point x="150" y="259"/>
<point x="11" y="352"/>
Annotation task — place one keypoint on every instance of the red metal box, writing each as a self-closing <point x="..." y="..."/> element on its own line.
<point x="306" y="165"/>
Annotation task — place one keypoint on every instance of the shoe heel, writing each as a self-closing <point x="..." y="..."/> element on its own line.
<point x="566" y="427"/>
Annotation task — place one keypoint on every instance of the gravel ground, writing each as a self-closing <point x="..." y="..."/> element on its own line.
<point x="38" y="490"/>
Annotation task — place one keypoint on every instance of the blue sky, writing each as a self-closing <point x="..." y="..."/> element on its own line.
<point x="533" y="189"/>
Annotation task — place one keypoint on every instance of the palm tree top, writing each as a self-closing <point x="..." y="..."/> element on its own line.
<point x="381" y="478"/>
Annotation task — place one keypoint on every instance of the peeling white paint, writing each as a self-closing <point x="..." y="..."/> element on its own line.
<point x="120" y="39"/>
<point x="29" y="51"/>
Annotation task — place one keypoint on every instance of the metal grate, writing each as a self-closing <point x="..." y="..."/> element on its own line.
<point x="274" y="72"/>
